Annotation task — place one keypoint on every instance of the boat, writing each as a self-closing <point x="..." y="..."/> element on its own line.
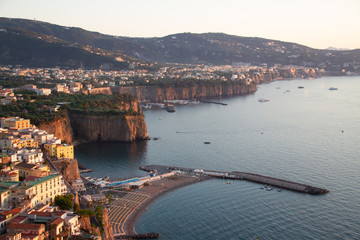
<point x="279" y="190"/>
<point x="206" y="142"/>
<point x="263" y="100"/>
<point x="170" y="108"/>
<point x="333" y="88"/>
<point x="300" y="87"/>
<point x="228" y="182"/>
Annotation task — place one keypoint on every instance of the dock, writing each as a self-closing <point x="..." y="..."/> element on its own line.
<point x="83" y="169"/>
<point x="252" y="177"/>
<point x="220" y="103"/>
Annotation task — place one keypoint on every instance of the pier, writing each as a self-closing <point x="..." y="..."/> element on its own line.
<point x="276" y="182"/>
<point x="83" y="169"/>
<point x="220" y="103"/>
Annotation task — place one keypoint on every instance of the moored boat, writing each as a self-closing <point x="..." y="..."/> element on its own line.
<point x="263" y="100"/>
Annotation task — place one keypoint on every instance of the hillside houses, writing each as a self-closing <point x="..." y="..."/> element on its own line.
<point x="28" y="186"/>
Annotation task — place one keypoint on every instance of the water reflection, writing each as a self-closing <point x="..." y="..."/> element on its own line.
<point x="114" y="159"/>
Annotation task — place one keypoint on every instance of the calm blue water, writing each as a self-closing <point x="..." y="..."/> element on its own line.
<point x="297" y="135"/>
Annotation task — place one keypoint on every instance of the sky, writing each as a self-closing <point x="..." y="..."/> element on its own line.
<point x="314" y="23"/>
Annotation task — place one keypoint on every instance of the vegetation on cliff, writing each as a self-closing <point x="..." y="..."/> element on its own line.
<point x="189" y="82"/>
<point x="102" y="105"/>
<point x="40" y="109"/>
<point x="64" y="202"/>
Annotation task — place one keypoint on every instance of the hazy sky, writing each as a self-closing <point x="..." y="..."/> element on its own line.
<point x="315" y="23"/>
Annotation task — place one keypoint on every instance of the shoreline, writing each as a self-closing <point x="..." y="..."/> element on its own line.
<point x="185" y="180"/>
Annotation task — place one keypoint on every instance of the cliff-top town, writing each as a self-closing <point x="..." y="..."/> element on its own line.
<point x="29" y="185"/>
<point x="35" y="164"/>
<point x="37" y="167"/>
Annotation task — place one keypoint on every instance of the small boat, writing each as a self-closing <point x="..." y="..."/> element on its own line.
<point x="333" y="88"/>
<point x="228" y="182"/>
<point x="206" y="142"/>
<point x="263" y="100"/>
<point x="170" y="108"/>
<point x="279" y="190"/>
<point x="300" y="87"/>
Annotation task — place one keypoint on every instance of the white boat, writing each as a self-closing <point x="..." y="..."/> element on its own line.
<point x="263" y="100"/>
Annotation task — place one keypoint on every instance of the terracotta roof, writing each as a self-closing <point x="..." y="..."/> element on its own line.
<point x="18" y="219"/>
<point x="25" y="165"/>
<point x="4" y="236"/>
<point x="57" y="221"/>
<point x="31" y="178"/>
<point x="12" y="211"/>
<point x="47" y="214"/>
<point x="26" y="226"/>
<point x="42" y="214"/>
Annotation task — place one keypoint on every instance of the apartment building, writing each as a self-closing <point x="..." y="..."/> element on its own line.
<point x="45" y="188"/>
<point x="59" y="150"/>
<point x="15" y="123"/>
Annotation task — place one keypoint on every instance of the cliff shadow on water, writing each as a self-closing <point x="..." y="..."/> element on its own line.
<point x="121" y="159"/>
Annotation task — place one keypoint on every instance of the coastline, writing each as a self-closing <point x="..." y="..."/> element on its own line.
<point x="157" y="189"/>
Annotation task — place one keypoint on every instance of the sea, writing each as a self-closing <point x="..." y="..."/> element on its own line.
<point x="309" y="135"/>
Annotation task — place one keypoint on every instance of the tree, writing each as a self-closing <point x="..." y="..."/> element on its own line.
<point x="76" y="207"/>
<point x="64" y="202"/>
<point x="85" y="213"/>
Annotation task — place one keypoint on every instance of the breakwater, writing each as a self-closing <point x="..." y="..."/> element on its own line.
<point x="276" y="182"/>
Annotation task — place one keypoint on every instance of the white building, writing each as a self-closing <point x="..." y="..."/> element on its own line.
<point x="33" y="156"/>
<point x="43" y="91"/>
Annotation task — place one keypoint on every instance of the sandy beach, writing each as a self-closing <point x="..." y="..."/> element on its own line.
<point x="127" y="206"/>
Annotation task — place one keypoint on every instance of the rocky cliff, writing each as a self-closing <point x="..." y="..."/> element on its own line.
<point x="60" y="128"/>
<point x="159" y="94"/>
<point x="93" y="128"/>
<point x="85" y="127"/>
<point x="108" y="232"/>
<point x="69" y="168"/>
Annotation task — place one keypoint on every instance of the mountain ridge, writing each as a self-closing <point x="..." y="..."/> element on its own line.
<point x="199" y="48"/>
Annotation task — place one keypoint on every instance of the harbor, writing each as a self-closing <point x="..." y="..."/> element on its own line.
<point x="131" y="196"/>
<point x="276" y="182"/>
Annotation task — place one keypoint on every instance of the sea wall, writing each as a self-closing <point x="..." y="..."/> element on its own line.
<point x="93" y="128"/>
<point x="159" y="94"/>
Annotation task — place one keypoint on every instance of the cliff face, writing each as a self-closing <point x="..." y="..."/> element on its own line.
<point x="159" y="94"/>
<point x="92" y="128"/>
<point x="60" y="128"/>
<point x="69" y="168"/>
<point x="108" y="232"/>
<point x="108" y="128"/>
